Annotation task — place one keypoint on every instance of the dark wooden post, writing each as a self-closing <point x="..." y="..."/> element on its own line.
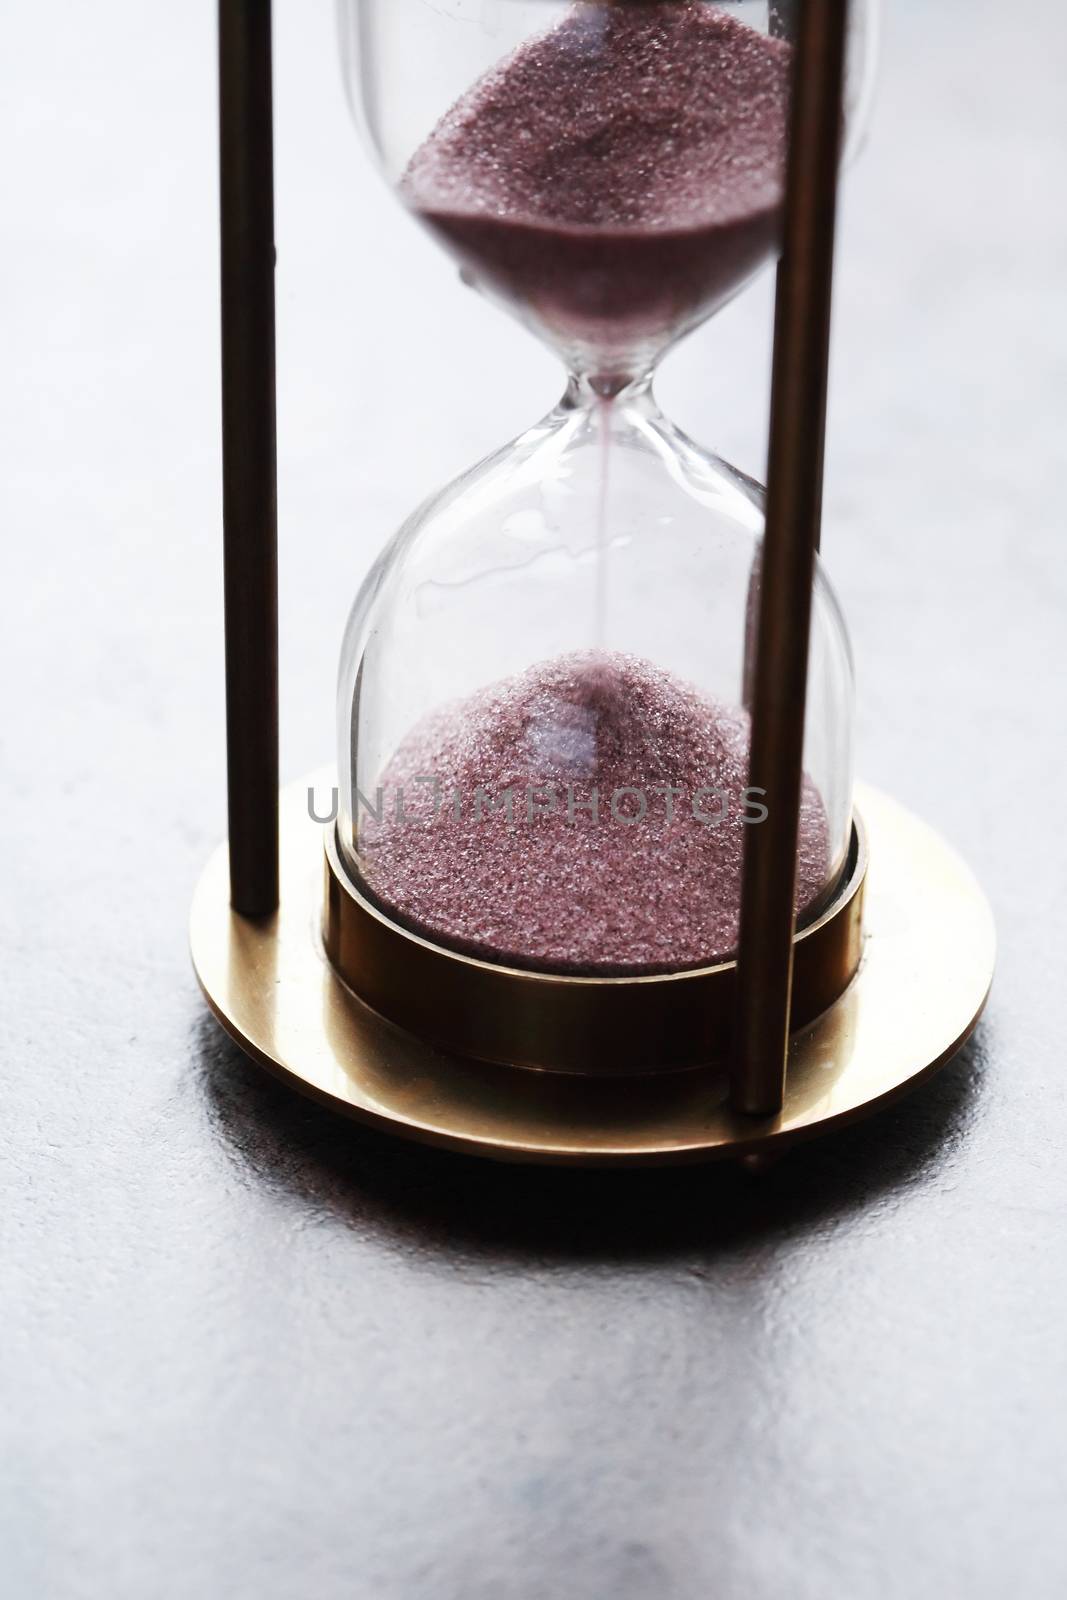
<point x="787" y="567"/>
<point x="249" y="451"/>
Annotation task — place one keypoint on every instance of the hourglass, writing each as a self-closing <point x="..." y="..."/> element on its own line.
<point x="598" y="886"/>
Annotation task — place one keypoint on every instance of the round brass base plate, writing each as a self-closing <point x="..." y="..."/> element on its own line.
<point x="922" y="983"/>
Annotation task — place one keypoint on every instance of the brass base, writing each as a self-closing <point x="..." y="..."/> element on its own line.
<point x="592" y="1026"/>
<point x="926" y="969"/>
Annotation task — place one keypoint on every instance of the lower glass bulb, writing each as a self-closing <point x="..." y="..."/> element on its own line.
<point x="542" y="705"/>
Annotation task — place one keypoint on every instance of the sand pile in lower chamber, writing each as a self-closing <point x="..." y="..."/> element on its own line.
<point x="586" y="816"/>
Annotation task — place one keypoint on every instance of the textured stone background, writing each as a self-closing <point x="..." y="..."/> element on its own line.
<point x="252" y="1353"/>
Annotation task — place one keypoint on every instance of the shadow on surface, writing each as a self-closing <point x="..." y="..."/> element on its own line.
<point x="432" y="1199"/>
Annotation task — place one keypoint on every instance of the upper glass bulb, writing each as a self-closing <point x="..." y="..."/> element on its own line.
<point x="611" y="169"/>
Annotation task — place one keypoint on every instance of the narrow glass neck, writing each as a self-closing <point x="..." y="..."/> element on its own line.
<point x="583" y="393"/>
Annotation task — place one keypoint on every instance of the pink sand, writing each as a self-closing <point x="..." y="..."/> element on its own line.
<point x="620" y="175"/>
<point x="554" y="887"/>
